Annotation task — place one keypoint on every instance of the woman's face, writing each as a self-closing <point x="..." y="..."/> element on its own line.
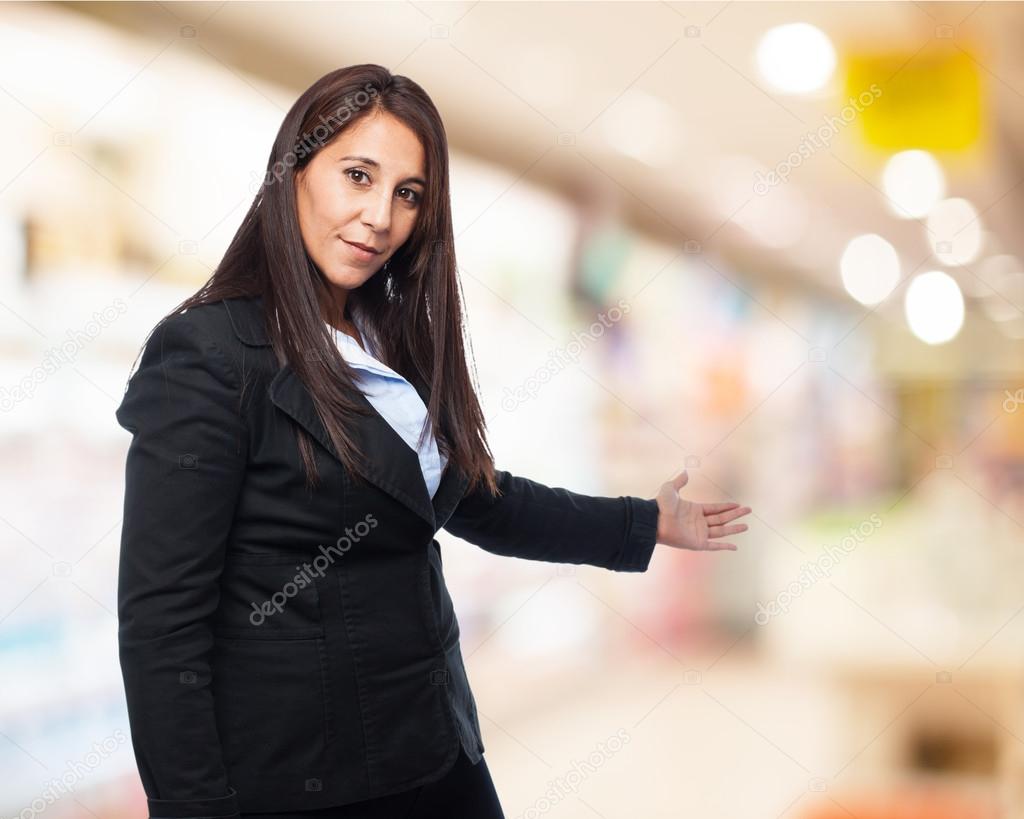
<point x="363" y="188"/>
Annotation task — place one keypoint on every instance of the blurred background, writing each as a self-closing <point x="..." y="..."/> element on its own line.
<point x="778" y="244"/>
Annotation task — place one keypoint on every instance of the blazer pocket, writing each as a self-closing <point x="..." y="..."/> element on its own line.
<point x="267" y="597"/>
<point x="271" y="706"/>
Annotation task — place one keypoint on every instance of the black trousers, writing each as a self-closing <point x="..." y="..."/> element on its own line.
<point x="465" y="792"/>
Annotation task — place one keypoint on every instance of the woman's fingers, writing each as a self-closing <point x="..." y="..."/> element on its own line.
<point x="721" y="531"/>
<point x="726" y="516"/>
<point x="680" y="480"/>
<point x="712" y="508"/>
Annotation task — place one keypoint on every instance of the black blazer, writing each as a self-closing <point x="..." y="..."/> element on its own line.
<point x="287" y="650"/>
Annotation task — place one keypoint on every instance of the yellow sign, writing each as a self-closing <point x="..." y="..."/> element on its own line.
<point x="930" y="99"/>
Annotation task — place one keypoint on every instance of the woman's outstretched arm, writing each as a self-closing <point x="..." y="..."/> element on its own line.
<point x="537" y="522"/>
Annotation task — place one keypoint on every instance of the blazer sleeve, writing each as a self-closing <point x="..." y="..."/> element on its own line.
<point x="183" y="472"/>
<point x="537" y="522"/>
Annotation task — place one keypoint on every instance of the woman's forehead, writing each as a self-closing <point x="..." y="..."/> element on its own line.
<point x="384" y="143"/>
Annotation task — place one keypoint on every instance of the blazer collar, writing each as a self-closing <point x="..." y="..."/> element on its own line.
<point x="392" y="465"/>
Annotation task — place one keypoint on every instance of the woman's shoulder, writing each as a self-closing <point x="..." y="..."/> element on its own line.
<point x="195" y="350"/>
<point x="227" y="322"/>
<point x="217" y="329"/>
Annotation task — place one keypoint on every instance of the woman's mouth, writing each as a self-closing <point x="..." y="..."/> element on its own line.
<point x="363" y="253"/>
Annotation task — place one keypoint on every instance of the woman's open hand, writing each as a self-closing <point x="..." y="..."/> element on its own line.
<point x="688" y="525"/>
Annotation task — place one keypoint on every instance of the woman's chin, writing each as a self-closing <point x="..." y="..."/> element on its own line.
<point x="348" y="278"/>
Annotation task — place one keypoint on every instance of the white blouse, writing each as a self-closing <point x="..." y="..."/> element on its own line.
<point x="394" y="398"/>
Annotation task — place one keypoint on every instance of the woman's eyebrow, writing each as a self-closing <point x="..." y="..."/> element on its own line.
<point x="373" y="162"/>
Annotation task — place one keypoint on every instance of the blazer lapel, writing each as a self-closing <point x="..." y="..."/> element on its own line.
<point x="391" y="464"/>
<point x="454" y="481"/>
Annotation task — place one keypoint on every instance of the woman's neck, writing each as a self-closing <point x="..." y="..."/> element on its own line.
<point x="341" y="319"/>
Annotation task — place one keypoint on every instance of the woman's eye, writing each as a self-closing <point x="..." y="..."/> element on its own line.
<point x="408" y="194"/>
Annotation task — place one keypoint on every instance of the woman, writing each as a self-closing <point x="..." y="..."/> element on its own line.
<point x="302" y="428"/>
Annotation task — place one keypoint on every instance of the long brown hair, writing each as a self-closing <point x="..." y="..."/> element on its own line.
<point x="413" y="307"/>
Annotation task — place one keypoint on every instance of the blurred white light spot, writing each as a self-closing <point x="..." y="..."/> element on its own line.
<point x="934" y="307"/>
<point x="954" y="231"/>
<point x="870" y="268"/>
<point x="913" y="183"/>
<point x="643" y="127"/>
<point x="796" y="58"/>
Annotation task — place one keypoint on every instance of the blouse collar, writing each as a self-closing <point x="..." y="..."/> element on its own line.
<point x="355" y="355"/>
